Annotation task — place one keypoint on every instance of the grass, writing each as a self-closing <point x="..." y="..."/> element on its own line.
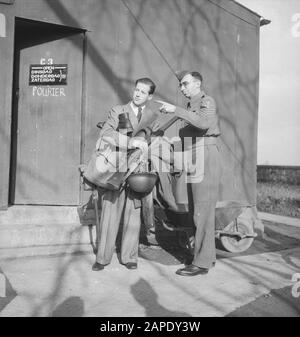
<point x="278" y="198"/>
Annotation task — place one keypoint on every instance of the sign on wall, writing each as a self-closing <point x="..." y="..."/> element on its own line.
<point x="51" y="74"/>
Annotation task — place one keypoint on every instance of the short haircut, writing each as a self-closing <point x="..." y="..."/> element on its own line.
<point x="197" y="75"/>
<point x="146" y="80"/>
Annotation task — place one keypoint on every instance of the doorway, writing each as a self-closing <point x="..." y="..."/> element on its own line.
<point x="46" y="114"/>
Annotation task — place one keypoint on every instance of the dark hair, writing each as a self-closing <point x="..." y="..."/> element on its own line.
<point x="147" y="81"/>
<point x="197" y="75"/>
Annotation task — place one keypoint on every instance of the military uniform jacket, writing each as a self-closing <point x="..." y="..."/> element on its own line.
<point x="200" y="128"/>
<point x="200" y="117"/>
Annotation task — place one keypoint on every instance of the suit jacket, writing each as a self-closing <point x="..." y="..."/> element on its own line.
<point x="109" y="130"/>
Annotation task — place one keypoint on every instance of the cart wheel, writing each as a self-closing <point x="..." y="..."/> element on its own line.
<point x="235" y="244"/>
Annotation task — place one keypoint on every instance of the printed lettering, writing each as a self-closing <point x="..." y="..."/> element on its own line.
<point x="296" y="286"/>
<point x="2" y="286"/>
<point x="47" y="91"/>
<point x="296" y="27"/>
<point x="2" y="25"/>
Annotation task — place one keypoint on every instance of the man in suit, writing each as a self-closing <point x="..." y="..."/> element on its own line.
<point x="118" y="205"/>
<point x="199" y="135"/>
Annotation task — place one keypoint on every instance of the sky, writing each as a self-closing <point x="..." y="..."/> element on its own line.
<point x="279" y="101"/>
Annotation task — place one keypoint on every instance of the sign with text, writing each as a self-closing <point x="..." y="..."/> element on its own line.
<point x="52" y="74"/>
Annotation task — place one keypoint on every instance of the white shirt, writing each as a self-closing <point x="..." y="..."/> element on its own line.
<point x="136" y="109"/>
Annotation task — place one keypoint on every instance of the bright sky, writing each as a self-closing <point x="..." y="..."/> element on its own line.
<point x="279" y="104"/>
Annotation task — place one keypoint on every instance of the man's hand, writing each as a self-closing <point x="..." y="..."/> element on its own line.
<point x="166" y="107"/>
<point x="137" y="142"/>
<point x="155" y="126"/>
<point x="98" y="143"/>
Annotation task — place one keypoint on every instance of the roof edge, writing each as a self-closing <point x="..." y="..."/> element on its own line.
<point x="248" y="9"/>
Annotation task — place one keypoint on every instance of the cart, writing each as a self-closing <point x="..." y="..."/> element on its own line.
<point x="234" y="228"/>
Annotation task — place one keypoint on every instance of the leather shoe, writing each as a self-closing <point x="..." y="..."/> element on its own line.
<point x="98" y="266"/>
<point x="131" y="265"/>
<point x="192" y="270"/>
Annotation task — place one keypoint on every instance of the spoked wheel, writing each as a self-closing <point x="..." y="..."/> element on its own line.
<point x="237" y="243"/>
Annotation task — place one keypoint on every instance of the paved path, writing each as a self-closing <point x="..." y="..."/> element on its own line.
<point x="65" y="285"/>
<point x="279" y="219"/>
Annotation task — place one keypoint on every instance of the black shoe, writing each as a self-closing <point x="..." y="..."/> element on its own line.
<point x="131" y="265"/>
<point x="192" y="270"/>
<point x="98" y="266"/>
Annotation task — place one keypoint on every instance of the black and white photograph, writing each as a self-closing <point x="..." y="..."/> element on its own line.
<point x="150" y="163"/>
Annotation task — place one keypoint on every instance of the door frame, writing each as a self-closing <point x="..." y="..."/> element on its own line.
<point x="15" y="91"/>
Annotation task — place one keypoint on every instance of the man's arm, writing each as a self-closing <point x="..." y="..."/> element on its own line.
<point x="109" y="131"/>
<point x="110" y="134"/>
<point x="203" y="116"/>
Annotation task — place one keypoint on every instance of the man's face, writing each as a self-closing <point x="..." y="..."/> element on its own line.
<point x="141" y="94"/>
<point x="189" y="86"/>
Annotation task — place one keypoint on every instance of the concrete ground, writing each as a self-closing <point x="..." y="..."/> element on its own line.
<point x="259" y="282"/>
<point x="279" y="219"/>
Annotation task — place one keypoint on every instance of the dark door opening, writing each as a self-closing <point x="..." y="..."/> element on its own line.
<point x="46" y="117"/>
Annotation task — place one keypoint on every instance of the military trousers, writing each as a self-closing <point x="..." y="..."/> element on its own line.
<point x="203" y="197"/>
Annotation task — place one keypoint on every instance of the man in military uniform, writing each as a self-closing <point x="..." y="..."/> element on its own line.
<point x="199" y="134"/>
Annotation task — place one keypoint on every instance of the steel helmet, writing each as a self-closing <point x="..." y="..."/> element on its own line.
<point x="142" y="182"/>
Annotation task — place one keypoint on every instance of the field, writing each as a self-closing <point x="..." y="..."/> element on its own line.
<point x="277" y="198"/>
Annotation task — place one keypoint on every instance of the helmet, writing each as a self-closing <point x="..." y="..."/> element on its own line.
<point x="142" y="182"/>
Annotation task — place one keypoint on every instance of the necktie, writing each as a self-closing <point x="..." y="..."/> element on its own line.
<point x="139" y="115"/>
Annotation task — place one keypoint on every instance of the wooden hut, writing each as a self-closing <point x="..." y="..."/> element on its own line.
<point x="63" y="64"/>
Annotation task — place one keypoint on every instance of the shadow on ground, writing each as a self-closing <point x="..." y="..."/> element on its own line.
<point x="164" y="246"/>
<point x="7" y="293"/>
<point x="71" y="307"/>
<point x="277" y="237"/>
<point x="277" y="303"/>
<point x="144" y="294"/>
